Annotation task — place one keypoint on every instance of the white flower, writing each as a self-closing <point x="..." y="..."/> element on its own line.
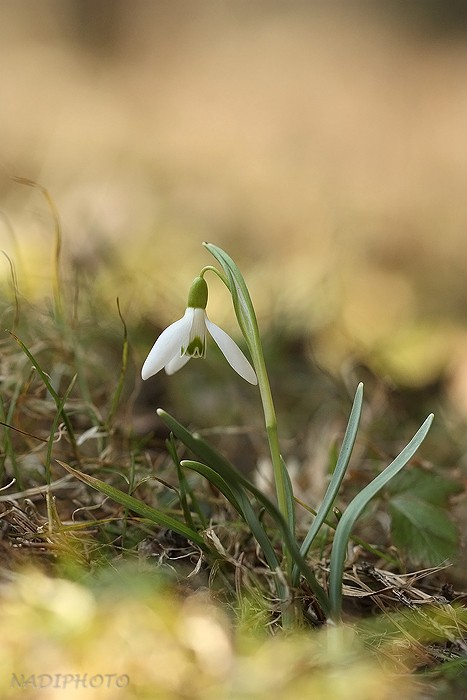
<point x="186" y="338"/>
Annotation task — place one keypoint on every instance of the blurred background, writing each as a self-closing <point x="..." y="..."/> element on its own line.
<point x="322" y="144"/>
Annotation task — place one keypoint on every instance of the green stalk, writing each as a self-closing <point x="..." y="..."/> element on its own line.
<point x="249" y="326"/>
<point x="248" y="323"/>
<point x="272" y="433"/>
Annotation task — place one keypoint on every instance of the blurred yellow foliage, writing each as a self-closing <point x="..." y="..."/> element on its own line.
<point x="147" y="644"/>
<point x="321" y="144"/>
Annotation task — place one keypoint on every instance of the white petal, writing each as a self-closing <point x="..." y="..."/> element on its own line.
<point x="197" y="342"/>
<point x="176" y="363"/>
<point x="232" y="352"/>
<point x="168" y="345"/>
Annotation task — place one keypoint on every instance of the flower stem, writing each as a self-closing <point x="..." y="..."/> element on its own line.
<point x="249" y="325"/>
<point x="273" y="436"/>
<point x="246" y="317"/>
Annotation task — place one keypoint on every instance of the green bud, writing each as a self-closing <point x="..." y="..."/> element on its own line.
<point x="198" y="295"/>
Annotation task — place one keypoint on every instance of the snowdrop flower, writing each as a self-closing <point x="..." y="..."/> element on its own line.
<point x="186" y="338"/>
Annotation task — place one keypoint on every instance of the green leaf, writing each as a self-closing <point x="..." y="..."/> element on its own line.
<point x="224" y="468"/>
<point x="337" y="476"/>
<point x="291" y="520"/>
<point x="355" y="508"/>
<point x="216" y="480"/>
<point x="240" y="501"/>
<point x="425" y="485"/>
<point x="422" y="530"/>
<point x="420" y="524"/>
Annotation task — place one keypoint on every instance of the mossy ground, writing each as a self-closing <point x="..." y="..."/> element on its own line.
<point x="71" y="393"/>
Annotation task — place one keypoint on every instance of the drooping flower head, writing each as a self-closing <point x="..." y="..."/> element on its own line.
<point x="186" y="338"/>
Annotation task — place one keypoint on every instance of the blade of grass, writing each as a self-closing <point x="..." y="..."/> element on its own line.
<point x="353" y="511"/>
<point x="137" y="506"/>
<point x="14" y="284"/>
<point x="53" y="393"/>
<point x="123" y="368"/>
<point x="51" y="440"/>
<point x="290" y="499"/>
<point x="7" y="418"/>
<point x="57" y="239"/>
<point x="8" y="450"/>
<point x="183" y="484"/>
